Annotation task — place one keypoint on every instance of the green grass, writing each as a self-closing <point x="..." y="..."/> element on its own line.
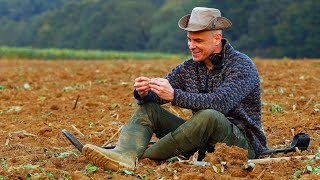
<point x="51" y="54"/>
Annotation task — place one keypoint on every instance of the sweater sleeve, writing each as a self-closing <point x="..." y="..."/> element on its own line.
<point x="242" y="79"/>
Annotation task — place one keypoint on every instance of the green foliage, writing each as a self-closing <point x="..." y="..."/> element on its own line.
<point x="101" y="81"/>
<point x="297" y="174"/>
<point x="20" y="10"/>
<point x="297" y="31"/>
<point x="4" y="165"/>
<point x="281" y="90"/>
<point x="49" y="174"/>
<point x="69" y="88"/>
<point x="313" y="169"/>
<point x="275" y="108"/>
<point x="289" y="29"/>
<point x="114" y="106"/>
<point x="30" y="175"/>
<point x="66" y="154"/>
<point x="91" y="168"/>
<point x="128" y="172"/>
<point x="29" y="166"/>
<point x="31" y="53"/>
<point x="215" y="169"/>
<point x="11" y="109"/>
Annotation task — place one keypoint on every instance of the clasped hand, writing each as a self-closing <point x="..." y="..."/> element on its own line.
<point x="160" y="86"/>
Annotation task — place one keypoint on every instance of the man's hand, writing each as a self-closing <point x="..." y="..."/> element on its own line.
<point x="141" y="84"/>
<point x="162" y="88"/>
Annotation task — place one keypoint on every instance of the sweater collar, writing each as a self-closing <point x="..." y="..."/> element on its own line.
<point x="218" y="59"/>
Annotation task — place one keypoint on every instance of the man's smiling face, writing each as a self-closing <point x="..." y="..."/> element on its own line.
<point x="204" y="43"/>
<point x="201" y="45"/>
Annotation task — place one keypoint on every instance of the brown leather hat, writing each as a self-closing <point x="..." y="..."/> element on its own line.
<point x="202" y="18"/>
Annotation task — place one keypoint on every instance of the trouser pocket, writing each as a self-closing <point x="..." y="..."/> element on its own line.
<point x="237" y="137"/>
<point x="242" y="140"/>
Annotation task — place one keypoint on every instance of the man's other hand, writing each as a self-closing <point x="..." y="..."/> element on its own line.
<point x="141" y="84"/>
<point x="162" y="88"/>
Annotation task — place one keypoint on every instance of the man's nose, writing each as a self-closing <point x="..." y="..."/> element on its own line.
<point x="191" y="45"/>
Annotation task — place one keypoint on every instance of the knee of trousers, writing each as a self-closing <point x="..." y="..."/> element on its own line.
<point x="209" y="116"/>
<point x="144" y="113"/>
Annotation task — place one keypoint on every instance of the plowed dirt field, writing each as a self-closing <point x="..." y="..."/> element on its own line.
<point x="93" y="99"/>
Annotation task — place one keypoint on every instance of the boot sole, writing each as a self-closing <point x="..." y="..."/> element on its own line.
<point x="99" y="159"/>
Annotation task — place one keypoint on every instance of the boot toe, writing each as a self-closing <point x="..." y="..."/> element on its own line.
<point x="105" y="158"/>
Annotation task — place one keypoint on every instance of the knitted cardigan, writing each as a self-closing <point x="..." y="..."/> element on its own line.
<point x="233" y="90"/>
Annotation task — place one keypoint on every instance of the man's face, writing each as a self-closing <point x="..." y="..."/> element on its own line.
<point x="201" y="45"/>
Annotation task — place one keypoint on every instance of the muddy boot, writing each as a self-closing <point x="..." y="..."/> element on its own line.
<point x="132" y="142"/>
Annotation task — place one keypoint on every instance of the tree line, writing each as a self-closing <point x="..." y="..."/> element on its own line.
<point x="261" y="28"/>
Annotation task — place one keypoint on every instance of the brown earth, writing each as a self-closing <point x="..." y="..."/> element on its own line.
<point x="38" y="100"/>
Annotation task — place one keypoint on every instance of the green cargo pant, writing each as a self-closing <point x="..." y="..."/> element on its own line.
<point x="204" y="128"/>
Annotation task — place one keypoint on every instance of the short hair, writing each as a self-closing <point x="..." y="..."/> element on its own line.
<point x="217" y="31"/>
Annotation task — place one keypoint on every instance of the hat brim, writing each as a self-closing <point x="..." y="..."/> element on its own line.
<point x="221" y="24"/>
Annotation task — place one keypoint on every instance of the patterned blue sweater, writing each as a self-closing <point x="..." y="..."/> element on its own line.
<point x="233" y="90"/>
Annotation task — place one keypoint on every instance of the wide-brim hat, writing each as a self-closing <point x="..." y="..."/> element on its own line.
<point x="202" y="18"/>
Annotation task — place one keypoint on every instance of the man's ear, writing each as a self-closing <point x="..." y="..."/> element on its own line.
<point x="218" y="38"/>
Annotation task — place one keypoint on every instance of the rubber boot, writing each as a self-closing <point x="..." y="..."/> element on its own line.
<point x="132" y="143"/>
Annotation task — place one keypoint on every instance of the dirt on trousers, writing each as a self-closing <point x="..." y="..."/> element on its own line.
<point x="93" y="99"/>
